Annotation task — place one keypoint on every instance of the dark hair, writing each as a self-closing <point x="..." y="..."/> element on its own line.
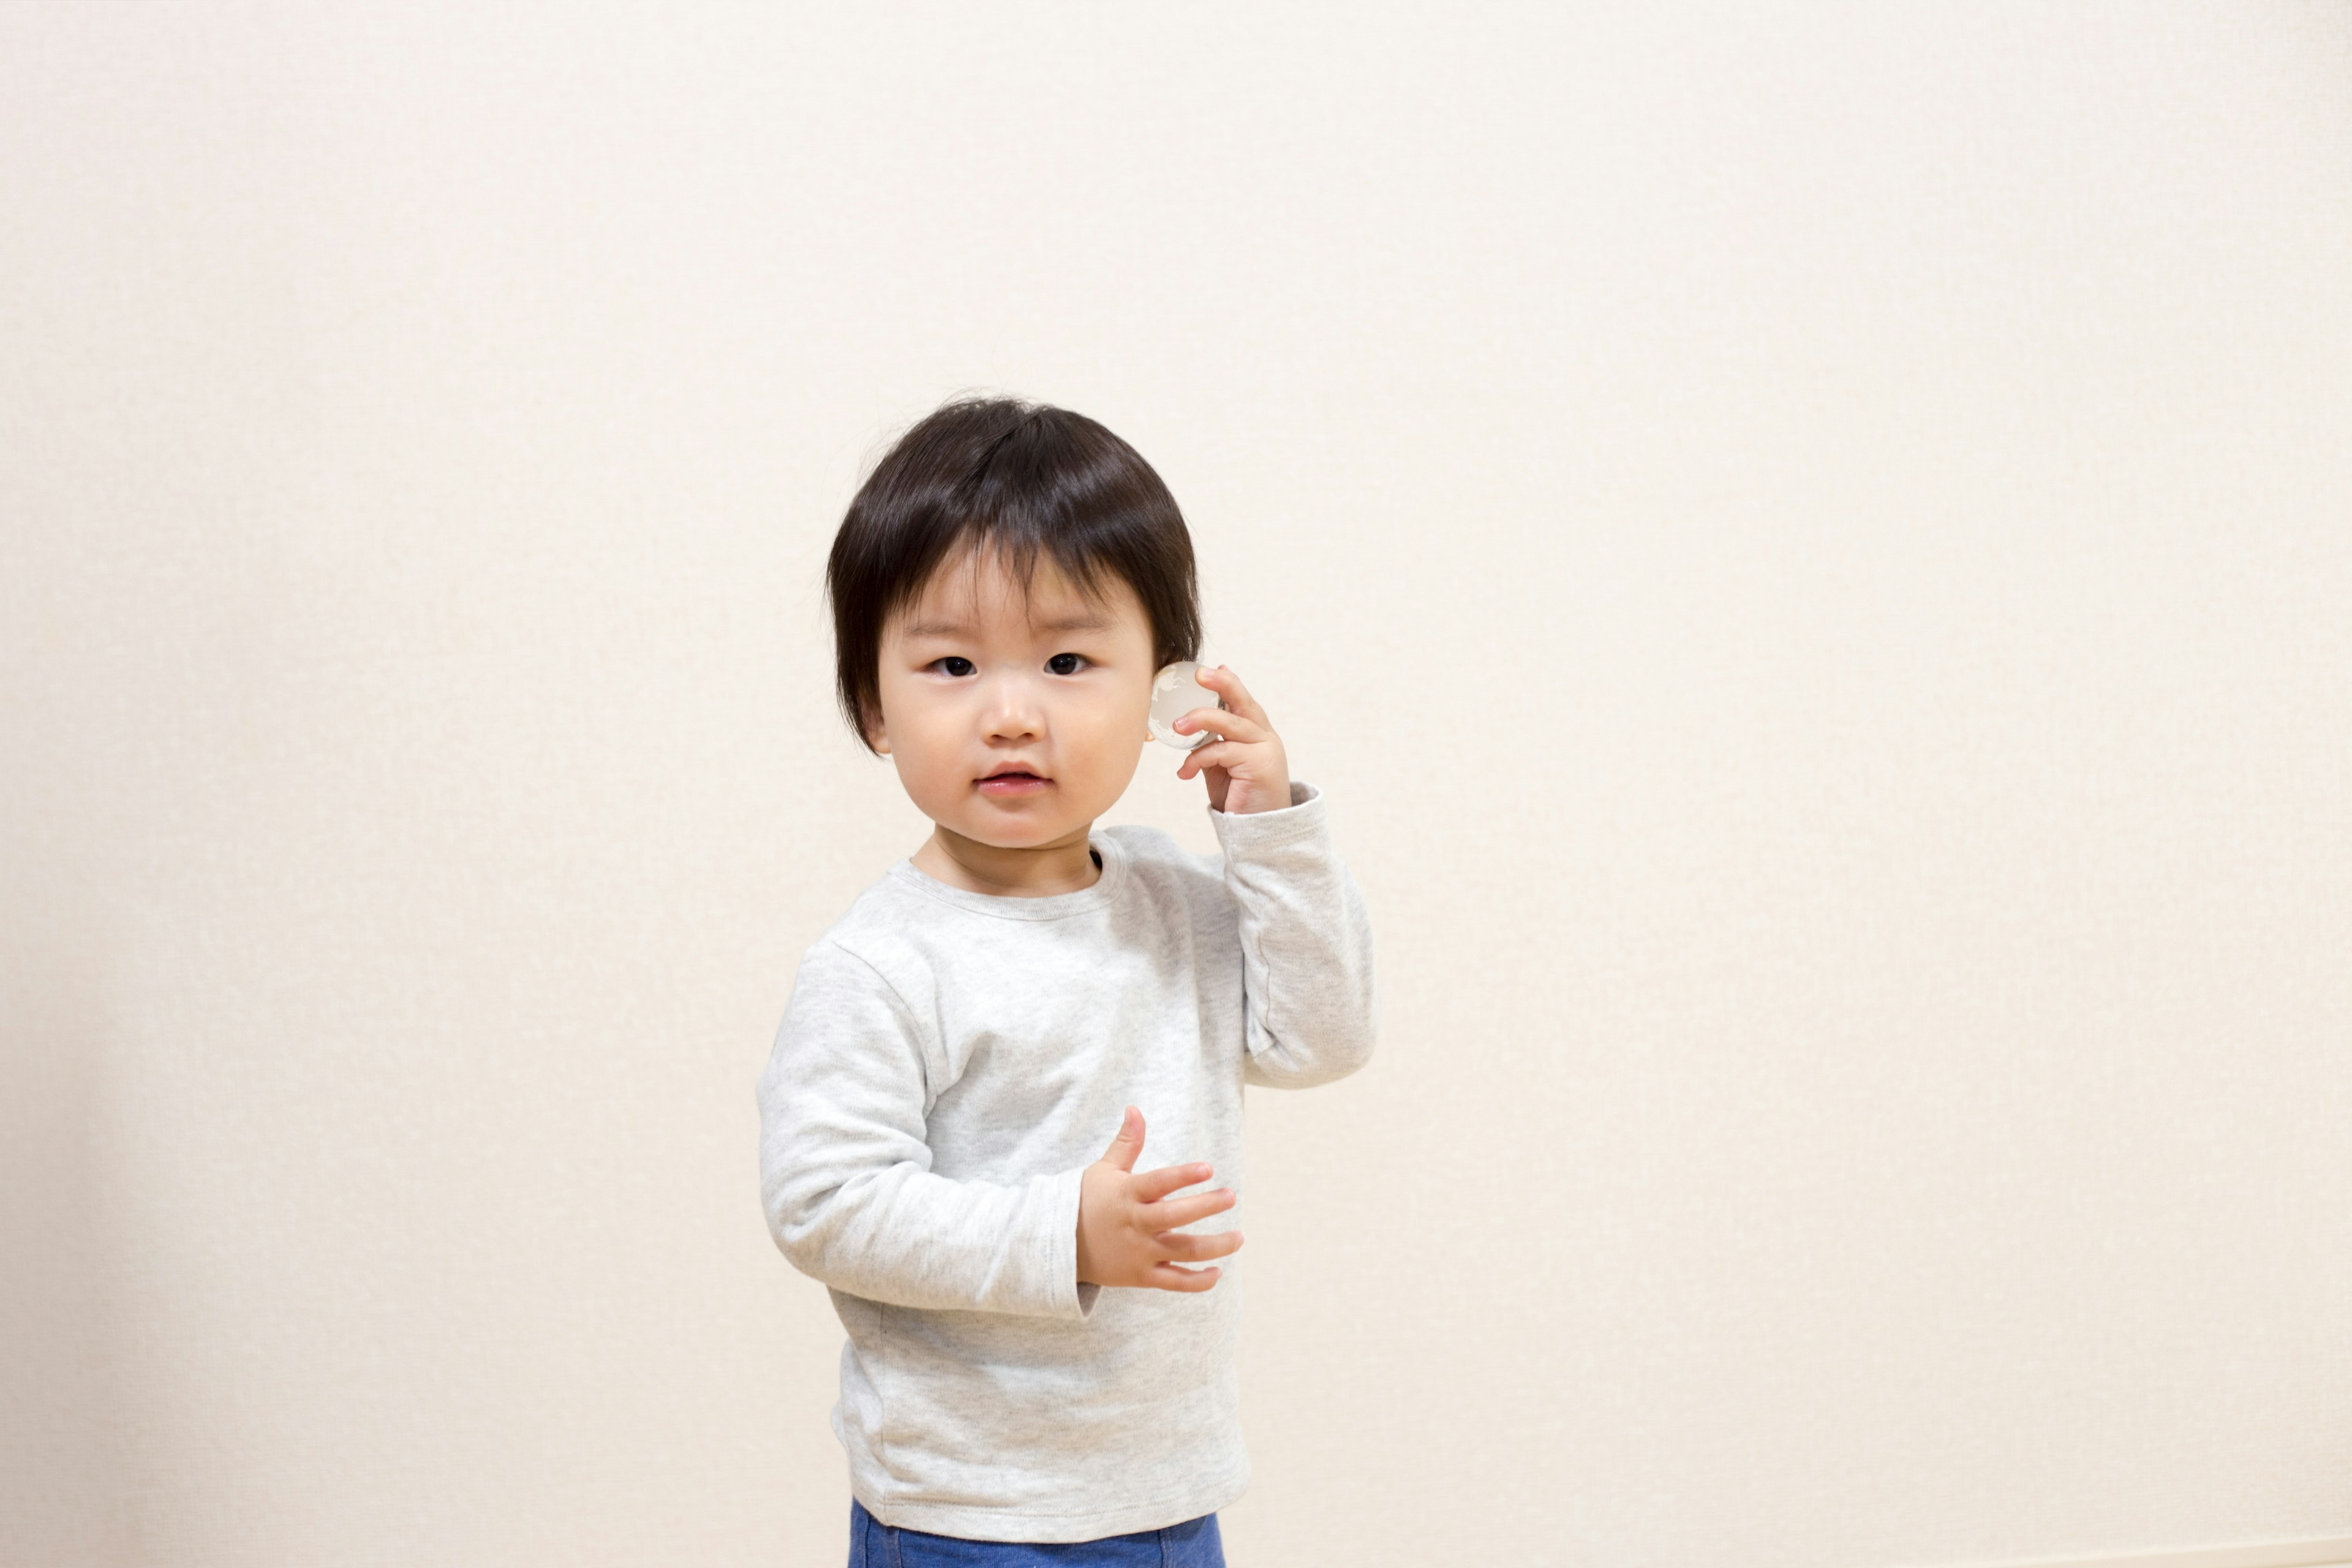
<point x="1019" y="477"/>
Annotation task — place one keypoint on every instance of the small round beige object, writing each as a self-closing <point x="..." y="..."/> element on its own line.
<point x="1175" y="692"/>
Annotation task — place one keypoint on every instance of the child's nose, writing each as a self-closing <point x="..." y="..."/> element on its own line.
<point x="1012" y="710"/>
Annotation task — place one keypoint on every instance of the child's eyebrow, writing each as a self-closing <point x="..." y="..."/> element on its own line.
<point x="1088" y="621"/>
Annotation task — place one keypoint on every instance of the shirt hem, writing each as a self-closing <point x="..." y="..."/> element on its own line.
<point x="1032" y="1528"/>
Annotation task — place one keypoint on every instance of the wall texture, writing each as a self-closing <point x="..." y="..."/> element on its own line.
<point x="1807" y="547"/>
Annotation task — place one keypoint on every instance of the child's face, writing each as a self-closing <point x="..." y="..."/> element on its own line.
<point x="970" y="684"/>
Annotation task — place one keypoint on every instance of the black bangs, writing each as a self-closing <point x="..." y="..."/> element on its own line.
<point x="1019" y="479"/>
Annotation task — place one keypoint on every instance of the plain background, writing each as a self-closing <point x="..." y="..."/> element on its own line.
<point x="1807" y="545"/>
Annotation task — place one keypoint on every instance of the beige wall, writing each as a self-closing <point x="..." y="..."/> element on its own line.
<point x="1809" y="551"/>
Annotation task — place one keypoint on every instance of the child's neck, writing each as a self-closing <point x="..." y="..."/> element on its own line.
<point x="1030" y="871"/>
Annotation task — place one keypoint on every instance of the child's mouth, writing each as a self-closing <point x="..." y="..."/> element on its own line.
<point x="1013" y="784"/>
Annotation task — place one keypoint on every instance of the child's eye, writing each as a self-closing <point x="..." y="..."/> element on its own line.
<point x="957" y="664"/>
<point x="1054" y="663"/>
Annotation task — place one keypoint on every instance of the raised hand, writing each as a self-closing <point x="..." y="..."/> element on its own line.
<point x="1126" y="1223"/>
<point x="1245" y="766"/>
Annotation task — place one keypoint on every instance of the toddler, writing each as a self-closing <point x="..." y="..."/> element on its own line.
<point x="1002" y="1070"/>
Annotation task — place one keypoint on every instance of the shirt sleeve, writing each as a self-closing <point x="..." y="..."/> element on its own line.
<point x="1311" y="1010"/>
<point x="846" y="1177"/>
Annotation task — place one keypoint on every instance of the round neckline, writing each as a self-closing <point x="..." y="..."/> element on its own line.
<point x="1015" y="907"/>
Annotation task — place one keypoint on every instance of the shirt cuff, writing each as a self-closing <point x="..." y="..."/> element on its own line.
<point x="1073" y="1299"/>
<point x="1251" y="830"/>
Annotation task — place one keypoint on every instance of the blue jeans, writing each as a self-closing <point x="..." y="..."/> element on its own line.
<point x="1192" y="1544"/>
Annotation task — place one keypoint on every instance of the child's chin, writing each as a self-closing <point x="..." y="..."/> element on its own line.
<point x="1016" y="835"/>
<point x="1016" y="826"/>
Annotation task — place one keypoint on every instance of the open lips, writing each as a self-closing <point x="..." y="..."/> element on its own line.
<point x="1014" y="779"/>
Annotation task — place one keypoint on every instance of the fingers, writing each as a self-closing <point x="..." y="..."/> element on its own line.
<point x="1228" y="685"/>
<point x="1127" y="1143"/>
<point x="1153" y="1185"/>
<point x="1156" y="1237"/>
<point x="1226" y="725"/>
<point x="1168" y="1277"/>
<point x="1215" y="755"/>
<point x="1175" y="1212"/>
<point x="1192" y="1247"/>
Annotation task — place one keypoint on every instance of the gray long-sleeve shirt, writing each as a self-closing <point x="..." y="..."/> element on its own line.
<point x="948" y="1065"/>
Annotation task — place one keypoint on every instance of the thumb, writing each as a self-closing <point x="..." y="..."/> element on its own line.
<point x="1129" y="1142"/>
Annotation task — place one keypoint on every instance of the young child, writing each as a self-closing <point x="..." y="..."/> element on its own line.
<point x="1000" y="1069"/>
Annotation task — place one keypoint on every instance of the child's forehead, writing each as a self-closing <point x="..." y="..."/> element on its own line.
<point x="970" y="592"/>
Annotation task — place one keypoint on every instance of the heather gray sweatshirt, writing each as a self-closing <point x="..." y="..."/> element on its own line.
<point x="949" y="1063"/>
